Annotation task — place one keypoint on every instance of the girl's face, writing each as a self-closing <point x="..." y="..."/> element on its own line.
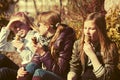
<point x="20" y="28"/>
<point x="90" y="30"/>
<point x="43" y="28"/>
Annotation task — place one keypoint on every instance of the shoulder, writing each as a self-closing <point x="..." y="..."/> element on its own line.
<point x="76" y="44"/>
<point x="67" y="32"/>
<point x="77" y="41"/>
<point x="31" y="32"/>
<point x="67" y="29"/>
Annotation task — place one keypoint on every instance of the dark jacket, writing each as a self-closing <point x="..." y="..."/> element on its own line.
<point x="64" y="45"/>
<point x="109" y="62"/>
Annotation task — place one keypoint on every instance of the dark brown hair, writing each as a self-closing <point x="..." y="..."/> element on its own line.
<point x="53" y="19"/>
<point x="27" y="19"/>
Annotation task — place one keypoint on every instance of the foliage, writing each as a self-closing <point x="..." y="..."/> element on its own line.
<point x="76" y="25"/>
<point x="79" y="9"/>
<point x="4" y="11"/>
<point x="113" y="26"/>
<point x="84" y="7"/>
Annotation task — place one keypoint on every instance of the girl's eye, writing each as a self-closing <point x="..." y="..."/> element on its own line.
<point x="15" y="27"/>
<point x="93" y="28"/>
<point x="85" y="27"/>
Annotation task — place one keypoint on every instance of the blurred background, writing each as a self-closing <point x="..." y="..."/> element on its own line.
<point x="72" y="13"/>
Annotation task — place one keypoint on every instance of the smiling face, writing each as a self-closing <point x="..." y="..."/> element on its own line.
<point x="20" y="28"/>
<point x="20" y="24"/>
<point x="90" y="30"/>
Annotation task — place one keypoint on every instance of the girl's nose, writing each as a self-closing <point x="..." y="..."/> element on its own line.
<point x="18" y="29"/>
<point x="87" y="31"/>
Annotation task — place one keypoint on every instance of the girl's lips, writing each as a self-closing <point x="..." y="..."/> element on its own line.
<point x="87" y="38"/>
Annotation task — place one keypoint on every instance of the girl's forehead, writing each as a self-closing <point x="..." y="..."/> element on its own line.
<point x="18" y="22"/>
<point x="89" y="22"/>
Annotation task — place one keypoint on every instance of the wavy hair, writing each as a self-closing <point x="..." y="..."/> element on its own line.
<point x="100" y="22"/>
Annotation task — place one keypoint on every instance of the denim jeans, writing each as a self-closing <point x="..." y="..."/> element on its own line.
<point x="46" y="75"/>
<point x="36" y="70"/>
<point x="8" y="69"/>
<point x="31" y="67"/>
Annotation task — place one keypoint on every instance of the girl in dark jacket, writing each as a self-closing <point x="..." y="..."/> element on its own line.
<point x="53" y="45"/>
<point x="94" y="57"/>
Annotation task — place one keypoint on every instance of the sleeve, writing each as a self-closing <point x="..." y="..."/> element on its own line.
<point x="4" y="44"/>
<point x="75" y="64"/>
<point x="65" y="45"/>
<point x="72" y="76"/>
<point x="107" y="71"/>
<point x="28" y="51"/>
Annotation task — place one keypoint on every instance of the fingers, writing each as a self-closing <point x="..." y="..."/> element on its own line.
<point x="87" y="39"/>
<point x="18" y="44"/>
<point x="36" y="43"/>
<point x="17" y="37"/>
<point x="21" y="72"/>
<point x="34" y="40"/>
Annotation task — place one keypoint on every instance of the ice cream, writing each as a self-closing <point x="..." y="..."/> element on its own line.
<point x="34" y="40"/>
<point x="17" y="37"/>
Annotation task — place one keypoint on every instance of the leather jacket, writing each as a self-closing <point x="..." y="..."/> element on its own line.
<point x="109" y="62"/>
<point x="64" y="45"/>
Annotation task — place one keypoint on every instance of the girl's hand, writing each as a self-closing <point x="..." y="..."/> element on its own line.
<point x="88" y="47"/>
<point x="39" y="49"/>
<point x="18" y="44"/>
<point x="13" y="21"/>
<point x="21" y="72"/>
<point x="89" y="50"/>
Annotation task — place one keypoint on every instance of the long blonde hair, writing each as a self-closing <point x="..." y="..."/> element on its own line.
<point x="99" y="21"/>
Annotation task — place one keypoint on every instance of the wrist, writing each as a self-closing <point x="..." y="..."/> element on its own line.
<point x="22" y="47"/>
<point x="7" y="27"/>
<point x="92" y="56"/>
